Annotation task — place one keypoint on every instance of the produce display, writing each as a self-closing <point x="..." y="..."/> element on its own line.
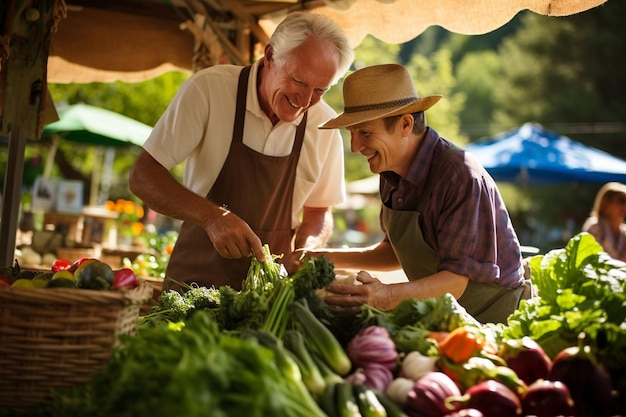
<point x="84" y="273"/>
<point x="274" y="349"/>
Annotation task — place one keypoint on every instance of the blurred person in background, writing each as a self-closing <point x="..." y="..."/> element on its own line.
<point x="606" y="219"/>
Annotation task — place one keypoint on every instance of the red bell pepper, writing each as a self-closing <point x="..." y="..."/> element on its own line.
<point x="124" y="278"/>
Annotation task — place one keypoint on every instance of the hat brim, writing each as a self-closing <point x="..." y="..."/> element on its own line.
<point x="351" y="119"/>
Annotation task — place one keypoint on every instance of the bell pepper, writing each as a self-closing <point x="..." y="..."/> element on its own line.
<point x="461" y="344"/>
<point x="478" y="369"/>
<point x="124" y="278"/>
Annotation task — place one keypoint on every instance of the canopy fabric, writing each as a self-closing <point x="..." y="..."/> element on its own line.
<point x="398" y="21"/>
<point x="109" y="41"/>
<point x="532" y="155"/>
<point x="97" y="126"/>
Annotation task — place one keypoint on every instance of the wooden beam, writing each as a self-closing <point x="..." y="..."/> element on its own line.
<point x="198" y="7"/>
<point x="242" y="13"/>
<point x="27" y="26"/>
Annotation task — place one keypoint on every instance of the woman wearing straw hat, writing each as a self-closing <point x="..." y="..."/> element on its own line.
<point x="444" y="220"/>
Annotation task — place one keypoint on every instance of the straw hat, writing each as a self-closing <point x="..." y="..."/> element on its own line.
<point x="376" y="92"/>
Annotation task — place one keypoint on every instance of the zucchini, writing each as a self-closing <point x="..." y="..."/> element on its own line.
<point x="393" y="409"/>
<point x="369" y="404"/>
<point x="346" y="403"/>
<point x="328" y="400"/>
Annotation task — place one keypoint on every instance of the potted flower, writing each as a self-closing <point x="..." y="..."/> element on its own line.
<point x="129" y="225"/>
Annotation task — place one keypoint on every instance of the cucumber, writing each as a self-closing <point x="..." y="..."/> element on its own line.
<point x="393" y="409"/>
<point x="369" y="404"/>
<point x="346" y="403"/>
<point x="328" y="400"/>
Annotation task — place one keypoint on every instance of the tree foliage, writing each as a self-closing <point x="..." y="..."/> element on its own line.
<point x="567" y="72"/>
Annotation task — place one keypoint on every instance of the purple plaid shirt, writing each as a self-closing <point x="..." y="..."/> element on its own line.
<point x="466" y="222"/>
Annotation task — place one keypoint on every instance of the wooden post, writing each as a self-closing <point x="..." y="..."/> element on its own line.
<point x="11" y="197"/>
<point x="25" y="27"/>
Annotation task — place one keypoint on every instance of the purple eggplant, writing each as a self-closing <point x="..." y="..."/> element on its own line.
<point x="589" y="384"/>
<point x="546" y="398"/>
<point x="527" y="358"/>
<point x="490" y="397"/>
<point x="428" y="396"/>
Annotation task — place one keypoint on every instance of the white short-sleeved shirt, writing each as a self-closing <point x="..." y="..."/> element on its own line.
<point x="197" y="128"/>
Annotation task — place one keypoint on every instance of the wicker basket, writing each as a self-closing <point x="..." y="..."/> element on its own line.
<point x="157" y="287"/>
<point x="58" y="337"/>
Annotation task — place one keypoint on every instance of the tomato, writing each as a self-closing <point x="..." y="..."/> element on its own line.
<point x="125" y="278"/>
<point x="5" y="281"/>
<point x="61" y="265"/>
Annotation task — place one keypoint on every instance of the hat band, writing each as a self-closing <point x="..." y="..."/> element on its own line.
<point x="387" y="105"/>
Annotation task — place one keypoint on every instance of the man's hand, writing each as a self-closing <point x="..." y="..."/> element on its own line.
<point x="370" y="291"/>
<point x="232" y="237"/>
<point x="298" y="257"/>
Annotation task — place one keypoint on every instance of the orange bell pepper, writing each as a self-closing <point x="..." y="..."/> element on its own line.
<point x="461" y="344"/>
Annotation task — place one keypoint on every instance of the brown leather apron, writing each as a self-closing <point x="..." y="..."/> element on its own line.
<point x="487" y="302"/>
<point x="259" y="189"/>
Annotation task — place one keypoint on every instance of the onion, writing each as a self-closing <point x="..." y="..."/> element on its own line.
<point x="373" y="345"/>
<point x="374" y="375"/>
<point x="428" y="396"/>
<point x="415" y="365"/>
<point x="398" y="389"/>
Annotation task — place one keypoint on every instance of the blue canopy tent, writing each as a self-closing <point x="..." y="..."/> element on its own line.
<point x="532" y="155"/>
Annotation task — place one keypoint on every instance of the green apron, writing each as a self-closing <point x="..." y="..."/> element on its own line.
<point x="487" y="302"/>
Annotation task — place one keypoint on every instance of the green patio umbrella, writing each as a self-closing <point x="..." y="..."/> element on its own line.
<point x="96" y="126"/>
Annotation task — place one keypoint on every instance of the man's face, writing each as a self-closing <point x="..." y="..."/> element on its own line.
<point x="289" y="89"/>
<point x="384" y="150"/>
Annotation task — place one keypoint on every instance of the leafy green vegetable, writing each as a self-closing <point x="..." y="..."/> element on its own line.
<point x="320" y="338"/>
<point x="437" y="314"/>
<point x="314" y="274"/>
<point x="412" y="320"/>
<point x="193" y="370"/>
<point x="581" y="289"/>
<point x="311" y="375"/>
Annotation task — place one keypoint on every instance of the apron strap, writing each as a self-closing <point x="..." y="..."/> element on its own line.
<point x="240" y="112"/>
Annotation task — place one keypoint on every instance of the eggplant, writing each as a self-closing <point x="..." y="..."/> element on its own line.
<point x="429" y="394"/>
<point x="527" y="358"/>
<point x="589" y="383"/>
<point x="490" y="397"/>
<point x="545" y="398"/>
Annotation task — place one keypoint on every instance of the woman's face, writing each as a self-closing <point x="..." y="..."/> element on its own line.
<point x="289" y="89"/>
<point x="615" y="206"/>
